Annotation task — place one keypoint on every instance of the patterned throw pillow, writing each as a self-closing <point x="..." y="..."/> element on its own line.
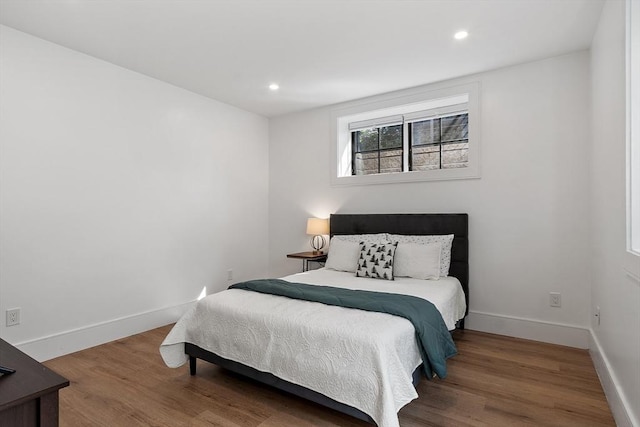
<point x="376" y="260"/>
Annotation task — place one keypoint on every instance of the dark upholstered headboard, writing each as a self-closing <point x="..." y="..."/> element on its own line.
<point x="415" y="224"/>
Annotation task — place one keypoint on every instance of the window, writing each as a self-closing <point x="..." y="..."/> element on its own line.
<point x="420" y="136"/>
<point x="435" y="143"/>
<point x="377" y="150"/>
<point x="439" y="143"/>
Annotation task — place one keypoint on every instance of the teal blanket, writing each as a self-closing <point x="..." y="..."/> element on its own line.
<point x="434" y="340"/>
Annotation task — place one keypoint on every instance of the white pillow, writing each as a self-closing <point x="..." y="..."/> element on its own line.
<point x="417" y="261"/>
<point x="343" y="255"/>
<point x="445" y="240"/>
<point x="367" y="238"/>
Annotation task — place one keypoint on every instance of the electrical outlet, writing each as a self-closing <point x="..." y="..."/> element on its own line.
<point x="597" y="314"/>
<point x="555" y="299"/>
<point x="229" y="274"/>
<point x="13" y="316"/>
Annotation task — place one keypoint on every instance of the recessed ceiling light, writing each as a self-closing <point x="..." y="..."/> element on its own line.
<point x="274" y="86"/>
<point x="461" y="35"/>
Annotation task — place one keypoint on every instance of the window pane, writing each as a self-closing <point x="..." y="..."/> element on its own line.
<point x="425" y="132"/>
<point x="455" y="155"/>
<point x="367" y="139"/>
<point x="455" y="128"/>
<point x="390" y="161"/>
<point x="366" y="163"/>
<point x="425" y="158"/>
<point x="440" y="154"/>
<point x="391" y="136"/>
<point x="371" y="158"/>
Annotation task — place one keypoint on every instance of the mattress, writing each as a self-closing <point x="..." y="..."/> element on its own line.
<point x="359" y="358"/>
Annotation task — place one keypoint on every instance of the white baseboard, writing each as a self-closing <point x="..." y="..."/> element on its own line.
<point x="59" y="344"/>
<point x="619" y="404"/>
<point x="537" y="330"/>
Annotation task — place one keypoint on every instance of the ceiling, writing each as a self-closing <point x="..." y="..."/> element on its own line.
<point x="320" y="52"/>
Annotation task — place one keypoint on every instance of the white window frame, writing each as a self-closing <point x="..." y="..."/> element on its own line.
<point x="436" y="101"/>
<point x="632" y="261"/>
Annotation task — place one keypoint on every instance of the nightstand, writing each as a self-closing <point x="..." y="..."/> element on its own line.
<point x="29" y="396"/>
<point x="308" y="256"/>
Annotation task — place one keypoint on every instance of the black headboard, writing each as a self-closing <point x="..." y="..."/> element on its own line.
<point x="415" y="224"/>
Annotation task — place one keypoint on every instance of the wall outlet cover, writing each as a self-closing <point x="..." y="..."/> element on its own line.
<point x="13" y="316"/>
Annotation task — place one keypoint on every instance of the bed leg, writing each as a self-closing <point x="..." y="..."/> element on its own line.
<point x="192" y="365"/>
<point x="461" y="324"/>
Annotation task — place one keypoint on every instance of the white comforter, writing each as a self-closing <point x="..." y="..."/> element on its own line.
<point x="359" y="358"/>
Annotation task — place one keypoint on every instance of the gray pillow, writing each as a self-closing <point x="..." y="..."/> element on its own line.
<point x="343" y="255"/>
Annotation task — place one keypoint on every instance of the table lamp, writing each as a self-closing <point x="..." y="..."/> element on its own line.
<point x="317" y="227"/>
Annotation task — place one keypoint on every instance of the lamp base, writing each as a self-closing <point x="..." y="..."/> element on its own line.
<point x="317" y="243"/>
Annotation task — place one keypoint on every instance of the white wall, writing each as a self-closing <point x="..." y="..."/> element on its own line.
<point x="121" y="197"/>
<point x="528" y="212"/>
<point x="616" y="341"/>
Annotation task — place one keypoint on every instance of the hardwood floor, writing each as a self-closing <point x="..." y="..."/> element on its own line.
<point x="493" y="381"/>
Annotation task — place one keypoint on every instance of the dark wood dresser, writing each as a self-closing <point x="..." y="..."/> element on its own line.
<point x="29" y="396"/>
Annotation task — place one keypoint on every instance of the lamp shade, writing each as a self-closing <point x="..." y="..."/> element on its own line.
<point x="317" y="226"/>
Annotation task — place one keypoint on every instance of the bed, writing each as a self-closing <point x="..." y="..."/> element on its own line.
<point x="368" y="370"/>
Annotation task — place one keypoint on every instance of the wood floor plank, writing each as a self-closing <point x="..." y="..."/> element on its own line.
<point x="493" y="381"/>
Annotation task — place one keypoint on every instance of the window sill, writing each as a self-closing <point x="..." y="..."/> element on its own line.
<point x="403" y="177"/>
